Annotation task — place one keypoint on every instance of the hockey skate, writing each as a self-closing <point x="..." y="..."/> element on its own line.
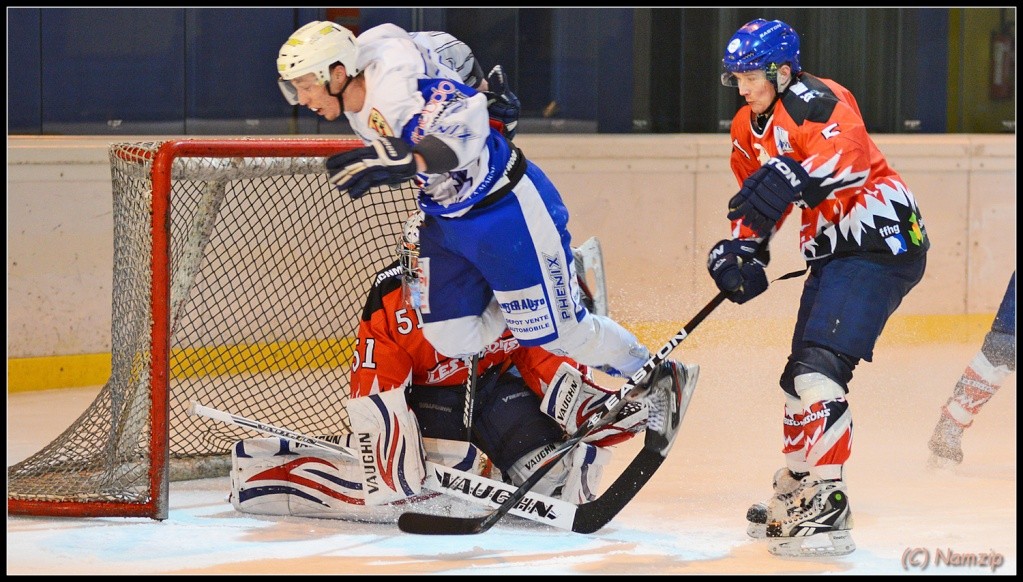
<point x="946" y="443"/>
<point x="667" y="395"/>
<point x="787" y="486"/>
<point x="817" y="524"/>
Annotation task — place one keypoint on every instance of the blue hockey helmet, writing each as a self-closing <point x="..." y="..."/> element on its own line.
<point x="761" y="45"/>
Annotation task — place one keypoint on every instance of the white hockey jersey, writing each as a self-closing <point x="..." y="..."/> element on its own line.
<point x="410" y="94"/>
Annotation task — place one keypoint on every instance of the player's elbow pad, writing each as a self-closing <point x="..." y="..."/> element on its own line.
<point x="439" y="158"/>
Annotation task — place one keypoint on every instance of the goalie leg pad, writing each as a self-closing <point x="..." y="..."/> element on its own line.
<point x="390" y="446"/>
<point x="574" y="478"/>
<point x="460" y="455"/>
<point x="509" y="423"/>
<point x="273" y="476"/>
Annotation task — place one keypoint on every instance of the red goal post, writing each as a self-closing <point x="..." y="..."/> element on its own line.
<point x="240" y="275"/>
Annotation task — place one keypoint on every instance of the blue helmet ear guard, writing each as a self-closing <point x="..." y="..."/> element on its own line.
<point x="761" y="45"/>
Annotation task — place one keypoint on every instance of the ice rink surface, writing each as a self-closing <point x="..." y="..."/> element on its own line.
<point x="689" y="519"/>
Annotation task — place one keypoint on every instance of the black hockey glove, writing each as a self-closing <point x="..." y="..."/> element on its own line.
<point x="767" y="193"/>
<point x="387" y="161"/>
<point x="736" y="271"/>
<point x="502" y="105"/>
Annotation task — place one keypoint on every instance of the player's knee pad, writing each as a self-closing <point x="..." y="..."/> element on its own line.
<point x="389" y="446"/>
<point x="1000" y="349"/>
<point x="509" y="422"/>
<point x="814" y="358"/>
<point x="464" y="336"/>
<point x="575" y="477"/>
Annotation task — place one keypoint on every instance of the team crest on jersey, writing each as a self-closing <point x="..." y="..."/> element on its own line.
<point x="378" y="124"/>
<point x="781" y="141"/>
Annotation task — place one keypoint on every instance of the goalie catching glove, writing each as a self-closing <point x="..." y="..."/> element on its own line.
<point x="736" y="271"/>
<point x="767" y="193"/>
<point x="388" y="161"/>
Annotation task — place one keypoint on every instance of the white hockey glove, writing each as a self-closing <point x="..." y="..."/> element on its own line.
<point x="572" y="399"/>
<point x="390" y="446"/>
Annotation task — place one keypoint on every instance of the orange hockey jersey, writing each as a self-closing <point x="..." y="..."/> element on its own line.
<point x="391" y="349"/>
<point x="856" y="203"/>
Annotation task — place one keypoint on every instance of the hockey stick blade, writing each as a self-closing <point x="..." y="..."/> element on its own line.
<point x="593" y="515"/>
<point x="426" y="524"/>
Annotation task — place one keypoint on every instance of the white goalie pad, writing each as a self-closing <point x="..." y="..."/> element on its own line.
<point x="589" y="268"/>
<point x="460" y="455"/>
<point x="389" y="445"/>
<point x="571" y="400"/>
<point x="575" y="477"/>
<point x="274" y="476"/>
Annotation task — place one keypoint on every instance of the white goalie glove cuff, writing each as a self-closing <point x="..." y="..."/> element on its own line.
<point x="571" y="399"/>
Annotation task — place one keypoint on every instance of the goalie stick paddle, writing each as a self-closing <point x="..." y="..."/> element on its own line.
<point x="593" y="515"/>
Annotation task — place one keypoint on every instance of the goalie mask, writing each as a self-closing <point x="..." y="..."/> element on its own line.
<point x="408" y="258"/>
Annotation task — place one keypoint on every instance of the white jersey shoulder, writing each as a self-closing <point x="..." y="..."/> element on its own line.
<point x="393" y="65"/>
<point x="451" y="52"/>
<point x="411" y="96"/>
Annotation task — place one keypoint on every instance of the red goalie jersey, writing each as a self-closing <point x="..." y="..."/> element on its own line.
<point x="856" y="203"/>
<point x="391" y="349"/>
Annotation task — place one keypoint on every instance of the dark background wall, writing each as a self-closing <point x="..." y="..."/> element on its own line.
<point x="76" y="71"/>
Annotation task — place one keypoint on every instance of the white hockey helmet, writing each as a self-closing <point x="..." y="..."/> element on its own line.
<point x="314" y="48"/>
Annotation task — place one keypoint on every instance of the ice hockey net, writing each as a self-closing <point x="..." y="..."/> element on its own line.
<point x="239" y="279"/>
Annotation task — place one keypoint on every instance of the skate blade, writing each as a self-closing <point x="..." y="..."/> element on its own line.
<point x="939" y="462"/>
<point x="757" y="531"/>
<point x="832" y="543"/>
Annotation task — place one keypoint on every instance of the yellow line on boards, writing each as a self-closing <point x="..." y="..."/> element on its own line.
<point x="71" y="371"/>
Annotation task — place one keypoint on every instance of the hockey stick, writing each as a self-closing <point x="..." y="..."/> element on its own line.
<point x="440" y="479"/>
<point x="595" y="514"/>
<point x="470" y="394"/>
<point x="197" y="409"/>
